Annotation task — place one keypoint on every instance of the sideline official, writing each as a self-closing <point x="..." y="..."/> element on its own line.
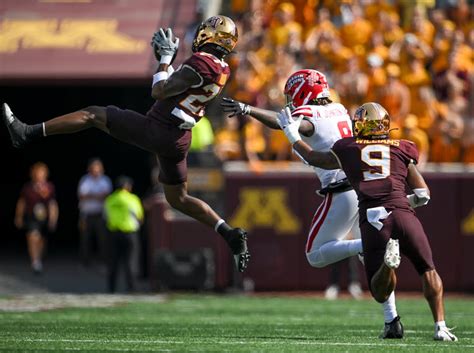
<point x="124" y="214"/>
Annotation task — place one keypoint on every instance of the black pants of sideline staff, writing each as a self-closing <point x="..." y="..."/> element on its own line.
<point x="120" y="255"/>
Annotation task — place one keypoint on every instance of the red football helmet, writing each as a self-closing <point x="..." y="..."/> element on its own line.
<point x="304" y="86"/>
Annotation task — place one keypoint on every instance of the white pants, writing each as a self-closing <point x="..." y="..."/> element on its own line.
<point x="335" y="218"/>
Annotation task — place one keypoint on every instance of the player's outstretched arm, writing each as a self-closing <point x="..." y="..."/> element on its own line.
<point x="265" y="116"/>
<point x="290" y="127"/>
<point x="324" y="160"/>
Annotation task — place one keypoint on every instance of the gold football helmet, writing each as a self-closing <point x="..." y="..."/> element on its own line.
<point x="372" y="121"/>
<point x="219" y="30"/>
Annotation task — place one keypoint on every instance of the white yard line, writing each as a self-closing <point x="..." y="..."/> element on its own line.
<point x="439" y="345"/>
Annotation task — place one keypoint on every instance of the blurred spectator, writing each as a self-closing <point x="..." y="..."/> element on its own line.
<point x="377" y="46"/>
<point x="376" y="74"/>
<point x="421" y="27"/>
<point x="395" y="97"/>
<point x="390" y="27"/>
<point x="356" y="31"/>
<point x="37" y="213"/>
<point x="352" y="85"/>
<point x="284" y="30"/>
<point x="416" y="78"/>
<point x="92" y="190"/>
<point x="413" y="133"/>
<point x="124" y="214"/>
<point x="354" y="288"/>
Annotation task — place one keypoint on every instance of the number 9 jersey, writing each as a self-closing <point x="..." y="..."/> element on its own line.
<point x="377" y="169"/>
<point x="191" y="103"/>
<point x="331" y="123"/>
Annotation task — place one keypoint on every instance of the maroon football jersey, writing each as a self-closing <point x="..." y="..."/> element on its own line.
<point x="377" y="169"/>
<point x="37" y="198"/>
<point x="214" y="74"/>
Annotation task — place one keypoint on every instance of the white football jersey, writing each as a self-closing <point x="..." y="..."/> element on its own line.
<point x="331" y="123"/>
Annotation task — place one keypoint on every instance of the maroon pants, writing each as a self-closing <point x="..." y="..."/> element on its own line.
<point x="167" y="141"/>
<point x="402" y="225"/>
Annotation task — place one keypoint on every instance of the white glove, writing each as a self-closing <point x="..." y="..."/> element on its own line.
<point x="164" y="43"/>
<point x="419" y="198"/>
<point x="289" y="125"/>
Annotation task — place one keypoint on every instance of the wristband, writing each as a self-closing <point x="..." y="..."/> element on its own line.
<point x="159" y="76"/>
<point x="166" y="59"/>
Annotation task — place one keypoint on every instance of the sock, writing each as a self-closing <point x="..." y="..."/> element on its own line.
<point x="223" y="229"/>
<point x="34" y="132"/>
<point x="389" y="308"/>
<point x="440" y="324"/>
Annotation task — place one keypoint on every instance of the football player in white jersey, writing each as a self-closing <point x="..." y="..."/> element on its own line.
<point x="324" y="122"/>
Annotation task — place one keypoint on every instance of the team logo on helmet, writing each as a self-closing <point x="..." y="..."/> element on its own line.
<point x="304" y="87"/>
<point x="218" y="30"/>
<point x="371" y="120"/>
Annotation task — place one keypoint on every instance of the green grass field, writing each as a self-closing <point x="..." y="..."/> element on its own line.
<point x="206" y="323"/>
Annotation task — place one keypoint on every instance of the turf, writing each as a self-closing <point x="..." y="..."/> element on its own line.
<point x="205" y="323"/>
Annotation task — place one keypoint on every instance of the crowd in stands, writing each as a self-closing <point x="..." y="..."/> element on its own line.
<point x="415" y="57"/>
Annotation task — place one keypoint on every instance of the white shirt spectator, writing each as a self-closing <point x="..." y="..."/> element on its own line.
<point x="89" y="187"/>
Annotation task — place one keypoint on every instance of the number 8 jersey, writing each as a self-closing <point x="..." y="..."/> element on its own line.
<point x="377" y="169"/>
<point x="331" y="123"/>
<point x="191" y="103"/>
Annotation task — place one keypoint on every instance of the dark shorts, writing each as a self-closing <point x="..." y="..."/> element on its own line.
<point x="402" y="225"/>
<point x="32" y="224"/>
<point x="167" y="141"/>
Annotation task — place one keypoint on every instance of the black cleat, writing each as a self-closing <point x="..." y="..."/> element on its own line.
<point x="393" y="329"/>
<point x="238" y="245"/>
<point x="15" y="127"/>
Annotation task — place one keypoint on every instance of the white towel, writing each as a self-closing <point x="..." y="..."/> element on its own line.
<point x="375" y="214"/>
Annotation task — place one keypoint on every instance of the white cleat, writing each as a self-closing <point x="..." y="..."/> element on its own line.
<point x="444" y="334"/>
<point x="7" y="114"/>
<point x="392" y="254"/>
<point x="332" y="292"/>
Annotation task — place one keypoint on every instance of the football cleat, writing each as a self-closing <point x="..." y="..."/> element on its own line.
<point x="392" y="254"/>
<point x="238" y="245"/>
<point x="393" y="329"/>
<point x="355" y="290"/>
<point x="444" y="334"/>
<point x="332" y="292"/>
<point x="15" y="127"/>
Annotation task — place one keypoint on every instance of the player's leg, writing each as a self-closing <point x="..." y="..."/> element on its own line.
<point x="331" y="224"/>
<point x="416" y="247"/>
<point x="383" y="283"/>
<point x="92" y="116"/>
<point x="35" y="249"/>
<point x="178" y="197"/>
<point x="22" y="134"/>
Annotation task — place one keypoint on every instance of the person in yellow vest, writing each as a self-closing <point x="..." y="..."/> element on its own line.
<point x="124" y="214"/>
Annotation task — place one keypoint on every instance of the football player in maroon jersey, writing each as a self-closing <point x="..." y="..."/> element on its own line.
<point x="181" y="97"/>
<point x="379" y="169"/>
